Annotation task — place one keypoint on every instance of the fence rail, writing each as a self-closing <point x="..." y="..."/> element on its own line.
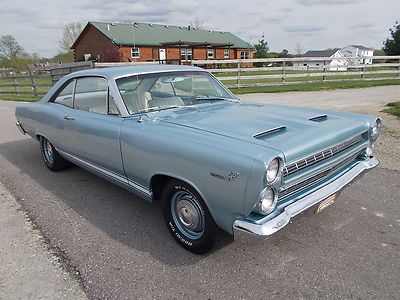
<point x="298" y="70"/>
<point x="234" y="73"/>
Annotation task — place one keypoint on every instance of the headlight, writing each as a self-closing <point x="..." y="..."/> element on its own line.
<point x="273" y="170"/>
<point x="268" y="200"/>
<point x="376" y="130"/>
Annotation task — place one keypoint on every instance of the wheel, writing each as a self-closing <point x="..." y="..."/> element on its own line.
<point x="51" y="157"/>
<point x="188" y="218"/>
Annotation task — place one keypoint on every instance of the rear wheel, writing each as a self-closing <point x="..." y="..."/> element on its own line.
<point x="51" y="157"/>
<point x="188" y="218"/>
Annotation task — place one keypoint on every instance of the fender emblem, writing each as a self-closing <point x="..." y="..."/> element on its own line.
<point x="229" y="177"/>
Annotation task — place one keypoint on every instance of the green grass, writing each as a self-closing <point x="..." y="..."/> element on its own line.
<point x="317" y="86"/>
<point x="393" y="108"/>
<point x="28" y="98"/>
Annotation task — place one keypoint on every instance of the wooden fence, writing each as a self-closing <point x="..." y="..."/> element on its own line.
<point x="13" y="82"/>
<point x="238" y="73"/>
<point x="235" y="73"/>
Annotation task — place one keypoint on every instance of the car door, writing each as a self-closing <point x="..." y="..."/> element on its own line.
<point x="92" y="127"/>
<point x="59" y="106"/>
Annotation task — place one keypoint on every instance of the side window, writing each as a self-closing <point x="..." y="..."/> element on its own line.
<point x="65" y="96"/>
<point x="91" y="94"/>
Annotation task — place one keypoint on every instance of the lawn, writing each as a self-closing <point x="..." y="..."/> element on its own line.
<point x="317" y="86"/>
<point x="393" y="108"/>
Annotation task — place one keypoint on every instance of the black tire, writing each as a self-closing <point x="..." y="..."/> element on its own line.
<point x="204" y="239"/>
<point x="55" y="162"/>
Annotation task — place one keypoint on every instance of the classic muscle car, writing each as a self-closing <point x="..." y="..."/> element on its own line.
<point x="176" y="134"/>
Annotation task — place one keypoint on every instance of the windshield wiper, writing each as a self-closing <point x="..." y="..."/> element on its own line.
<point x="216" y="98"/>
<point x="159" y="108"/>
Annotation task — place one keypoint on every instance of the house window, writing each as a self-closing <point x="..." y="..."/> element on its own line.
<point x="244" y="54"/>
<point x="226" y="53"/>
<point x="135" y="52"/>
<point x="186" y="53"/>
<point x="210" y="53"/>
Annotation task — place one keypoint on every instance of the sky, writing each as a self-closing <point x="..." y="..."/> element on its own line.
<point x="285" y="24"/>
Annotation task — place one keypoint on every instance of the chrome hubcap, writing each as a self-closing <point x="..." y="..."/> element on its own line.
<point x="187" y="215"/>
<point x="48" y="151"/>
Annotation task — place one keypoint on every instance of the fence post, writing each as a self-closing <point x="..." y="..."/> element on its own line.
<point x="324" y="71"/>
<point x="363" y="72"/>
<point x="34" y="89"/>
<point x="238" y="75"/>
<point x="398" y="72"/>
<point x="283" y="72"/>
<point x="14" y="77"/>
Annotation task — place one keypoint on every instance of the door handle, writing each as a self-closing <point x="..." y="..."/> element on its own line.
<point x="68" y="118"/>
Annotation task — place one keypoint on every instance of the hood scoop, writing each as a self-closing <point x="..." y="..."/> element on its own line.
<point x="320" y="118"/>
<point x="270" y="132"/>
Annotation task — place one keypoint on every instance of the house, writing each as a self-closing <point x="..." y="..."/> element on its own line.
<point x="141" y="42"/>
<point x="319" y="62"/>
<point x="358" y="51"/>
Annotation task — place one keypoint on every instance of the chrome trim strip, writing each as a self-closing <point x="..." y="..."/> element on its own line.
<point x="111" y="174"/>
<point x="19" y="125"/>
<point x="243" y="230"/>
<point x="272" y="130"/>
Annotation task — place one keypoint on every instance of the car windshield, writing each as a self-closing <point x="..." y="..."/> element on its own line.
<point x="160" y="91"/>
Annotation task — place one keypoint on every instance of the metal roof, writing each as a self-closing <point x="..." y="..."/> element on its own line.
<point x="361" y="47"/>
<point x="147" y="34"/>
<point x="320" y="53"/>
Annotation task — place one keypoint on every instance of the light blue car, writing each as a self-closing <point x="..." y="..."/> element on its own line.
<point x="175" y="134"/>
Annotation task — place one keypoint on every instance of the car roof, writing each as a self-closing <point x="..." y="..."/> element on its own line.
<point x="117" y="72"/>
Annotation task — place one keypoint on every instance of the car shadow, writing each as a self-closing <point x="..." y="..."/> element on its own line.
<point x="122" y="216"/>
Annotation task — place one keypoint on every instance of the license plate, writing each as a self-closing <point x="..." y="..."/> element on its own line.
<point x="327" y="202"/>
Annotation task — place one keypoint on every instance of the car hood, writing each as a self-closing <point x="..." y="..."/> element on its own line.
<point x="294" y="131"/>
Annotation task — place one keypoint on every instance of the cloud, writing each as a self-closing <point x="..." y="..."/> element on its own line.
<point x="304" y="28"/>
<point x="326" y="2"/>
<point x="361" y="26"/>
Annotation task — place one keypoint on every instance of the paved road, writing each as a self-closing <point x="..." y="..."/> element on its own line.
<point x="122" y="249"/>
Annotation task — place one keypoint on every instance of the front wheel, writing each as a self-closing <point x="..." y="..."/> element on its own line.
<point x="188" y="218"/>
<point x="51" y="157"/>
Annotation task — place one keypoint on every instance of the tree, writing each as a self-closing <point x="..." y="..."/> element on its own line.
<point x="198" y="24"/>
<point x="261" y="49"/>
<point x="284" y="53"/>
<point x="70" y="33"/>
<point x="10" y="48"/>
<point x="298" y="49"/>
<point x="392" y="46"/>
<point x="110" y="55"/>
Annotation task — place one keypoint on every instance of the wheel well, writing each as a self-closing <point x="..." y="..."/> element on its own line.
<point x="157" y="184"/>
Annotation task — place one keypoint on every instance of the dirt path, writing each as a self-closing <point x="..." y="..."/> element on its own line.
<point x="364" y="101"/>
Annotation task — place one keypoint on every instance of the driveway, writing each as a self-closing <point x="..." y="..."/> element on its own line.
<point x="121" y="248"/>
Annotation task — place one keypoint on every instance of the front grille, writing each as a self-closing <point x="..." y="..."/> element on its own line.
<point x="322" y="155"/>
<point x="316" y="177"/>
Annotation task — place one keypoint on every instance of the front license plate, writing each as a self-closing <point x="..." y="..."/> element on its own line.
<point x="327" y="202"/>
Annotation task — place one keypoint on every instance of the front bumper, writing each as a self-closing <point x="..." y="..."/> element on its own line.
<point x="247" y="231"/>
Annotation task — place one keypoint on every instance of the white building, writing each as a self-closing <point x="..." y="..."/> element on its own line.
<point x="358" y="51"/>
<point x="318" y="62"/>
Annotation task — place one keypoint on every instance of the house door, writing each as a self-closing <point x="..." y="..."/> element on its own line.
<point x="162" y="54"/>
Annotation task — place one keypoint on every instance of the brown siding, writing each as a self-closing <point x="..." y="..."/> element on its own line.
<point x="92" y="42"/>
<point x="146" y="53"/>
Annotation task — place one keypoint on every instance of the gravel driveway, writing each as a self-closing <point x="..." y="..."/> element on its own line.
<point x="122" y="249"/>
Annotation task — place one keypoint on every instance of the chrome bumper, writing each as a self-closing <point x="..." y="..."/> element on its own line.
<point x="247" y="231"/>
<point x="20" y="127"/>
